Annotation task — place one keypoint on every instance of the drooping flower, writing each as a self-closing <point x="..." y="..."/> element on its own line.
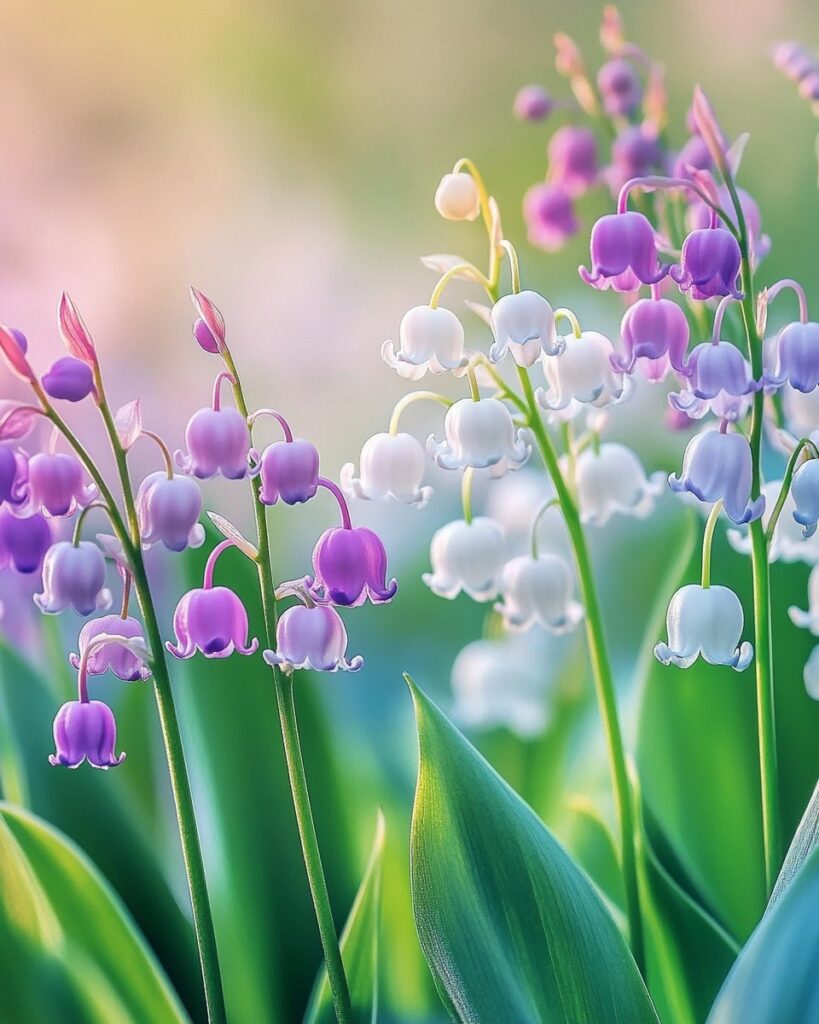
<point x="533" y="103"/>
<point x="212" y="620"/>
<point x="573" y="159"/>
<point x="620" y="87"/>
<point x="550" y="216"/>
<point x="85" y="731"/>
<point x="457" y="197"/>
<point x="788" y="543"/>
<point x="523" y="322"/>
<point x="68" y="379"/>
<point x="288" y="470"/>
<point x="218" y="441"/>
<point x="797" y="357"/>
<point x="694" y="154"/>
<point x="313" y="639"/>
<point x="583" y="373"/>
<point x="634" y="153"/>
<point x="466" y="557"/>
<point x="705" y="622"/>
<point x="479" y="434"/>
<point x="538" y="591"/>
<point x="429" y="339"/>
<point x="73" y="577"/>
<point x="13" y="476"/>
<point x="168" y="509"/>
<point x="24" y="541"/>
<point x="623" y="253"/>
<point x="805" y="491"/>
<point x="808" y="619"/>
<point x="349" y="568"/>
<point x="709" y="264"/>
<point x="655" y="337"/>
<point x="55" y="484"/>
<point x="611" y="480"/>
<point x="392" y="466"/>
<point x="114" y="657"/>
<point x="699" y="216"/>
<point x="717" y="370"/>
<point x="718" y="465"/>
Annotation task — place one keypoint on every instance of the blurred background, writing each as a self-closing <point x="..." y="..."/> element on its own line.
<point x="282" y="157"/>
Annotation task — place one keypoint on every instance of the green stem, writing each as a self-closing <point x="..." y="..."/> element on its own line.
<point x="466" y="493"/>
<point x="601" y="670"/>
<point x="285" y="697"/>
<point x="707" y="544"/>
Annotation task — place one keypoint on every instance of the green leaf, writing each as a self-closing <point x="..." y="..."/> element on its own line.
<point x="774" y="981"/>
<point x="359" y="946"/>
<point x="511" y="928"/>
<point x="75" y="953"/>
<point x="804" y="842"/>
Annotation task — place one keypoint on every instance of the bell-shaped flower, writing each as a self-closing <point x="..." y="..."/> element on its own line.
<point x="288" y="470"/>
<point x="709" y="264"/>
<point x="635" y="153"/>
<point x="212" y="620"/>
<point x="218" y="441"/>
<point x="429" y="339"/>
<point x="55" y="483"/>
<point x="699" y="215"/>
<point x="168" y="509"/>
<point x="73" y="577"/>
<point x="349" y="568"/>
<point x="85" y="730"/>
<point x="724" y="406"/>
<point x="797" y="357"/>
<point x="623" y="253"/>
<point x="620" y="87"/>
<point x="13" y="476"/>
<point x="392" y="466"/>
<point x="694" y="154"/>
<point x="718" y="465"/>
<point x="68" y="379"/>
<point x="466" y="557"/>
<point x="457" y="197"/>
<point x="479" y="434"/>
<point x="705" y="622"/>
<point x="550" y="216"/>
<point x="788" y="543"/>
<point x="538" y="591"/>
<point x="24" y="541"/>
<point x="808" y="619"/>
<point x="573" y="160"/>
<point x="584" y="374"/>
<point x="805" y="491"/>
<point x="313" y="639"/>
<point x="716" y="369"/>
<point x="100" y="658"/>
<point x="655" y="337"/>
<point x="801" y="410"/>
<point x="523" y="322"/>
<point x="610" y="480"/>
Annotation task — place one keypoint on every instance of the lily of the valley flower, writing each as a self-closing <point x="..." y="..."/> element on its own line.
<point x="85" y="731"/>
<point x="623" y="253"/>
<point x="168" y="509"/>
<point x="56" y="484"/>
<point x="788" y="543"/>
<point x="524" y="323"/>
<point x="24" y="541"/>
<point x="705" y="622"/>
<point x="429" y="339"/>
<point x="538" y="591"/>
<point x="112" y="656"/>
<point x="466" y="557"/>
<point x="718" y="465"/>
<point x="611" y="480"/>
<point x="457" y="197"/>
<point x="479" y="435"/>
<point x="73" y="577"/>
<point x="655" y="337"/>
<point x="314" y="639"/>
<point x="805" y="491"/>
<point x="392" y="466"/>
<point x="797" y="357"/>
<point x="583" y="373"/>
<point x="709" y="265"/>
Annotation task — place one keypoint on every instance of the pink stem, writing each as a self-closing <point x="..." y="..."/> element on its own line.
<point x="795" y="286"/>
<point x="210" y="565"/>
<point x="342" y="501"/>
<point x="660" y="182"/>
<point x="719" y="317"/>
<point x="288" y="433"/>
<point x="217" y="389"/>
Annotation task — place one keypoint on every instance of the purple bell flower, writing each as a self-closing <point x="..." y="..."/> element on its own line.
<point x="655" y="336"/>
<point x="289" y="470"/>
<point x="634" y="153"/>
<point x="218" y="441"/>
<point x="620" y="87"/>
<point x="699" y="216"/>
<point x="69" y="379"/>
<point x="718" y="465"/>
<point x="349" y="568"/>
<point x="533" y="103"/>
<point x="805" y="493"/>
<point x="56" y="485"/>
<point x="709" y="265"/>
<point x="694" y="154"/>
<point x="114" y="657"/>
<point x="13" y="475"/>
<point x="623" y="253"/>
<point x="314" y="639"/>
<point x="73" y="577"/>
<point x="168" y="509"/>
<point x="549" y="215"/>
<point x="85" y="730"/>
<point x="797" y="357"/>
<point x="716" y="368"/>
<point x="24" y="540"/>
<point x="573" y="159"/>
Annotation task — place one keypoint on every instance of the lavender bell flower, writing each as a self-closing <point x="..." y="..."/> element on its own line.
<point x="709" y="264"/>
<point x="573" y="159"/>
<point x="115" y="657"/>
<point x="718" y="465"/>
<point x="583" y="373"/>
<point x="288" y="470"/>
<point x="479" y="434"/>
<point x="620" y="87"/>
<point x="168" y="509"/>
<point x="538" y="591"/>
<point x="56" y="484"/>
<point x="349" y="568"/>
<point x="533" y="103"/>
<point x="392" y="466"/>
<point x="634" y="153"/>
<point x="699" y="216"/>
<point x="549" y="215"/>
<point x="457" y="197"/>
<point x="797" y="357"/>
<point x="69" y="379"/>
<point x="13" y="476"/>
<point x="707" y="622"/>
<point x="623" y="253"/>
<point x="717" y="369"/>
<point x="612" y="480"/>
<point x="466" y="557"/>
<point x="523" y="322"/>
<point x="24" y="541"/>
<point x="313" y="639"/>
<point x="655" y="337"/>
<point x="694" y="154"/>
<point x="805" y="491"/>
<point x="218" y="440"/>
<point x="85" y="731"/>
<point x="429" y="339"/>
<point x="73" y="577"/>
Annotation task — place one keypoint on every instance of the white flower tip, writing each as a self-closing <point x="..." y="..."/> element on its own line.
<point x="744" y="656"/>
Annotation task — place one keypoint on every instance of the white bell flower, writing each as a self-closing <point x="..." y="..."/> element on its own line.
<point x="466" y="557"/>
<point x="707" y="622"/>
<point x="808" y="619"/>
<point x="584" y="372"/>
<point x="805" y="493"/>
<point x="392" y="466"/>
<point x="429" y="339"/>
<point x="811" y="674"/>
<point x="525" y="323"/>
<point x="457" y="197"/>
<point x="538" y="591"/>
<point x="788" y="543"/>
<point x="801" y="410"/>
<point x="479" y="434"/>
<point x="611" y="480"/>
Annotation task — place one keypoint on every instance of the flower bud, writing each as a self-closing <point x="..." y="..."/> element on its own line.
<point x="805" y="491"/>
<point x="623" y="253"/>
<point x="479" y="434"/>
<point x="85" y="731"/>
<point x="584" y="373"/>
<point x="113" y="657"/>
<point x="218" y="441"/>
<point x="655" y="337"/>
<point x="349" y="568"/>
<point x="204" y="337"/>
<point x="620" y="88"/>
<point x="69" y="379"/>
<point x="73" y="577"/>
<point x="56" y="484"/>
<point x="718" y="466"/>
<point x="429" y="339"/>
<point x="611" y="480"/>
<point x="392" y="466"/>
<point x="797" y="357"/>
<point x="634" y="153"/>
<point x="533" y="103"/>
<point x="573" y="159"/>
<point x="212" y="620"/>
<point x="168" y="509"/>
<point x="289" y="470"/>
<point x="24" y="541"/>
<point x="457" y="197"/>
<point x="466" y="557"/>
<point x="709" y="264"/>
<point x="523" y="322"/>
<point x="313" y="639"/>
<point x="707" y="622"/>
<point x="538" y="591"/>
<point x="550" y="216"/>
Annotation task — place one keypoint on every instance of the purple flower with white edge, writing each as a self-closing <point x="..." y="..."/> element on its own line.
<point x="13" y="475"/>
<point x="24" y="541"/>
<point x="55" y="484"/>
<point x="538" y="591"/>
<point x="573" y="161"/>
<point x="314" y="639"/>
<point x="168" y="509"/>
<point x="69" y="379"/>
<point x="805" y="491"/>
<point x="797" y="357"/>
<point x="709" y="264"/>
<point x="808" y="619"/>
<point x="549" y="215"/>
<point x="85" y="731"/>
<point x="718" y="465"/>
<point x="457" y="197"/>
<point x="478" y="435"/>
<point x="73" y="577"/>
<point x="623" y="253"/>
<point x="655" y="337"/>
<point x="705" y="622"/>
<point x="430" y="338"/>
<point x="111" y="655"/>
<point x="392" y="466"/>
<point x="524" y="323"/>
<point x="211" y="619"/>
<point x="533" y="103"/>
<point x="218" y="440"/>
<point x="583" y="373"/>
<point x="610" y="480"/>
<point x="468" y="557"/>
<point x="620" y="87"/>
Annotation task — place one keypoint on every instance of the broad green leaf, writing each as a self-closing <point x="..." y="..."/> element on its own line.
<point x="774" y="981"/>
<point x="511" y="928"/>
<point x="74" y="952"/>
<point x="591" y="843"/>
<point x="804" y="842"/>
<point x="359" y="946"/>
